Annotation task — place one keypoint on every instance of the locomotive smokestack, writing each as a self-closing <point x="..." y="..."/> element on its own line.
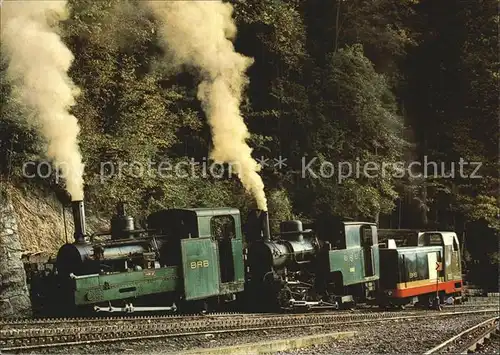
<point x="120" y="209"/>
<point x="257" y="226"/>
<point x="266" y="232"/>
<point x="79" y="219"/>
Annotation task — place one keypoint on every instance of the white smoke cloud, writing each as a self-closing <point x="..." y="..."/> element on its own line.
<point x="38" y="65"/>
<point x="198" y="34"/>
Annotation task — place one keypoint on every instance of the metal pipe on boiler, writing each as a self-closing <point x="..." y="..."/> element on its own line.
<point x="79" y="220"/>
<point x="266" y="232"/>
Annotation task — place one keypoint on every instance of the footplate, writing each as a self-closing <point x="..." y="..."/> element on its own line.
<point x="129" y="308"/>
<point x="313" y="304"/>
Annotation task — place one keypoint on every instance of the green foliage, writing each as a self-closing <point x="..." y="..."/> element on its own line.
<point x="277" y="24"/>
<point x="453" y="97"/>
<point x="479" y="208"/>
<point x="280" y="208"/>
<point x="365" y="103"/>
<point x="336" y="80"/>
<point x="355" y="118"/>
<point x="382" y="27"/>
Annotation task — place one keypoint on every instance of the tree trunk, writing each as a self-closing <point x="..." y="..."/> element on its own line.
<point x="337" y="28"/>
<point x="423" y="206"/>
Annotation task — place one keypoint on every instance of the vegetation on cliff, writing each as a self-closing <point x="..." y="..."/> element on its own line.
<point x="339" y="81"/>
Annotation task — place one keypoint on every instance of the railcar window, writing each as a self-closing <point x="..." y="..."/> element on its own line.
<point x="401" y="241"/>
<point x="401" y="238"/>
<point x="338" y="240"/>
<point x="352" y="237"/>
<point x="366" y="235"/>
<point x="223" y="227"/>
<point x="433" y="239"/>
<point x="374" y="235"/>
<point x="455" y="245"/>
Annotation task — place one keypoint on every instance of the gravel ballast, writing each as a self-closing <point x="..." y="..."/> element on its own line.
<point x="409" y="336"/>
<point x="414" y="337"/>
<point x="491" y="346"/>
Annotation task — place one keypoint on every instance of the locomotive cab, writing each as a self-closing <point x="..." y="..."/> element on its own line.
<point x="352" y="260"/>
<point x="209" y="244"/>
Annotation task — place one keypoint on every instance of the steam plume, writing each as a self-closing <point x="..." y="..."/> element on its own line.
<point x="38" y="66"/>
<point x="198" y="34"/>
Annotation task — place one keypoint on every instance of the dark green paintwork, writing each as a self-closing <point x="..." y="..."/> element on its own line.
<point x="102" y="288"/>
<point x="350" y="262"/>
<point x="239" y="266"/>
<point x="200" y="281"/>
<point x="205" y="215"/>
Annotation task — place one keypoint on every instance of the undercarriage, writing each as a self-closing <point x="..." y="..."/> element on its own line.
<point x="301" y="291"/>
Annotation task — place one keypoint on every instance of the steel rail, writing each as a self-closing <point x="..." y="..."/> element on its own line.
<point x="13" y="322"/>
<point x="98" y="319"/>
<point x="491" y="326"/>
<point x="19" y="339"/>
<point x="472" y="345"/>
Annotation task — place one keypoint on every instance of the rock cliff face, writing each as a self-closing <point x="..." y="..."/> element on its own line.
<point x="14" y="296"/>
<point x="41" y="220"/>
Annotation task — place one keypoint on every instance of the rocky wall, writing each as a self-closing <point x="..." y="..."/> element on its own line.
<point x="14" y="296"/>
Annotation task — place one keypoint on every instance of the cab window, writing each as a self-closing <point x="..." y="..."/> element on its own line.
<point x="433" y="239"/>
<point x="222" y="227"/>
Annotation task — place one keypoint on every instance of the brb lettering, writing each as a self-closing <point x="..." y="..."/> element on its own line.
<point x="199" y="264"/>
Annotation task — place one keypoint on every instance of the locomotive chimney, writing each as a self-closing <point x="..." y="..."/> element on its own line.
<point x="266" y="232"/>
<point x="257" y="226"/>
<point x="120" y="209"/>
<point x="79" y="220"/>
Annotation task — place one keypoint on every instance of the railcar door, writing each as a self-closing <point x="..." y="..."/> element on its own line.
<point x="432" y="260"/>
<point x="410" y="268"/>
<point x="223" y="232"/>
<point x="367" y="244"/>
<point x="456" y="266"/>
<point x="448" y="266"/>
<point x="200" y="269"/>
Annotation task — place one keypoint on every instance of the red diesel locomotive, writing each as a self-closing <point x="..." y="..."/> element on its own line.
<point x="422" y="273"/>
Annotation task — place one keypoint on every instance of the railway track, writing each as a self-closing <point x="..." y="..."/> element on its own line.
<point x="29" y="322"/>
<point x="33" y="336"/>
<point x="469" y="339"/>
<point x="15" y="322"/>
